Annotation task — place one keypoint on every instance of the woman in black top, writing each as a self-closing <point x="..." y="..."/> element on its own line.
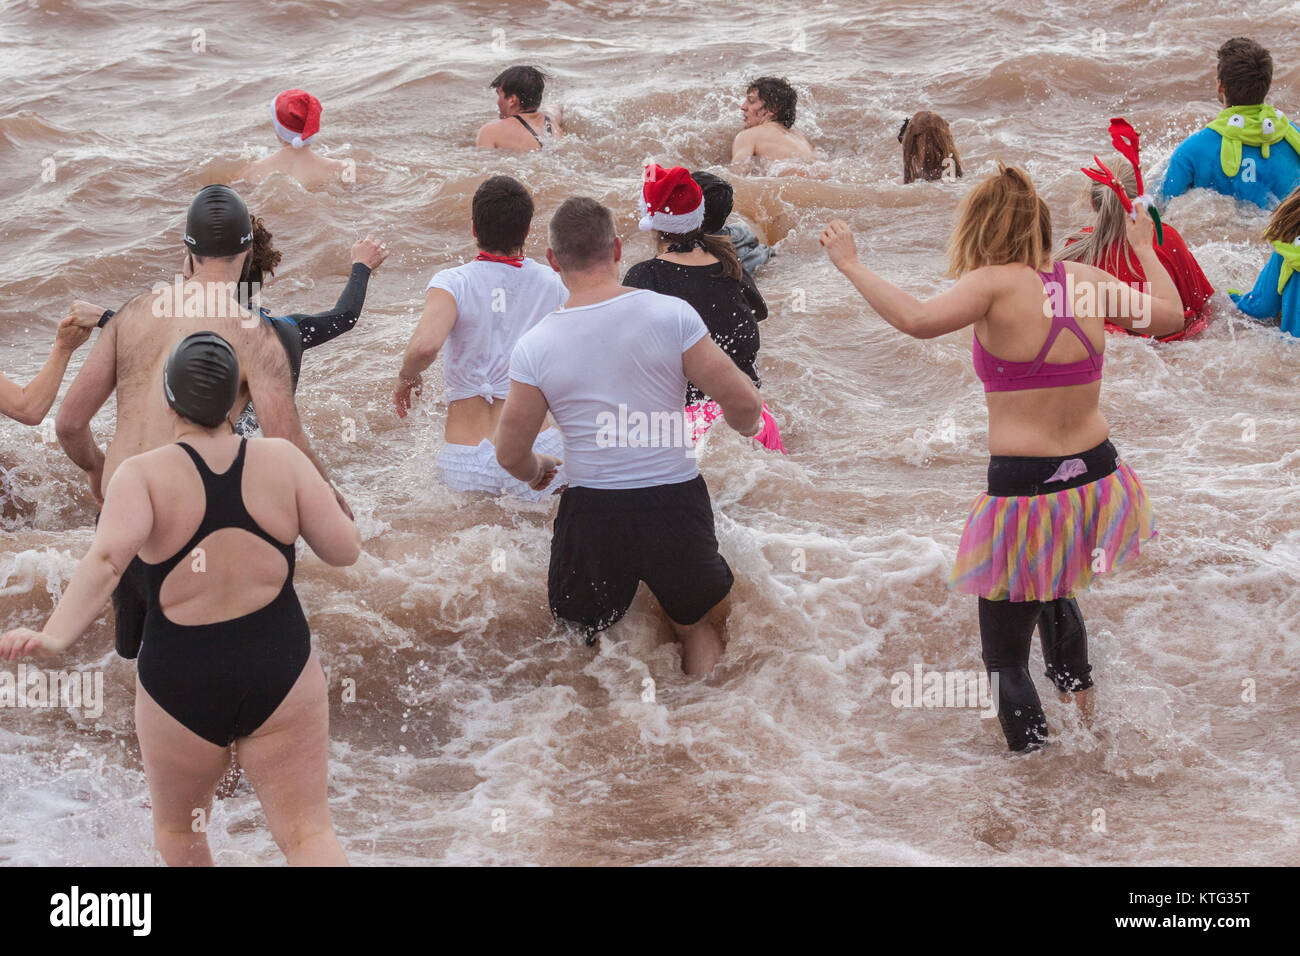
<point x="703" y="270"/>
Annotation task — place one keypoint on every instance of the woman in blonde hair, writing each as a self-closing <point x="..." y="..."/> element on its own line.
<point x="1060" y="505"/>
<point x="1105" y="245"/>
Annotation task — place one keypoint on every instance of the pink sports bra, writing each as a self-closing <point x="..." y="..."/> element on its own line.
<point x="999" y="375"/>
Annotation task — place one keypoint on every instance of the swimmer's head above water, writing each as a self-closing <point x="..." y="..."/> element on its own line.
<point x="719" y="198"/>
<point x="295" y="114"/>
<point x="769" y="99"/>
<point x="201" y="379"/>
<point x="929" y="152"/>
<point x="519" y="90"/>
<point x="218" y="225"/>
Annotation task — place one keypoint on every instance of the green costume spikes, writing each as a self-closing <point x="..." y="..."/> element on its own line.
<point x="1260" y="126"/>
<point x="1290" y="253"/>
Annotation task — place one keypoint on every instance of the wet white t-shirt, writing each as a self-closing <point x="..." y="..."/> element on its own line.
<point x="496" y="303"/>
<point x="612" y="375"/>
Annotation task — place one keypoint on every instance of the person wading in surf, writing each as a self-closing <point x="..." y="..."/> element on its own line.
<point x="523" y="124"/>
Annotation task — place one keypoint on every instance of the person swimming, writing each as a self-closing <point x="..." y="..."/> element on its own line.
<point x="297" y="331"/>
<point x="1276" y="295"/>
<point x="1251" y="151"/>
<point x="719" y="198"/>
<point x="1105" y="245"/>
<point x="929" y="152"/>
<point x="295" y="116"/>
<point x="522" y="121"/>
<point x="474" y="314"/>
<point x="769" y="110"/>
<point x="703" y="270"/>
<point x="226" y="657"/>
<point x="30" y="404"/>
<point x="1061" y="505"/>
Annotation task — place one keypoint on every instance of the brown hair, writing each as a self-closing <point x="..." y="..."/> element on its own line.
<point x="582" y="234"/>
<point x="778" y="96"/>
<point x="1109" y="237"/>
<point x="999" y="223"/>
<point x="502" y="211"/>
<point x="1285" y="224"/>
<point x="927" y="143"/>
<point x="1246" y="72"/>
<point x="262" y="262"/>
<point x="719" y="247"/>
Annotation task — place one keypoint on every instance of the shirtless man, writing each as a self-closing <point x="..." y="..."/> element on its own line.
<point x="133" y="348"/>
<point x="768" y="108"/>
<point x="296" y="117"/>
<point x="523" y="124"/>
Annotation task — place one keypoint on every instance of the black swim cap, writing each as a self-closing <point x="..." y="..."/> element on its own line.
<point x="717" y="200"/>
<point x="201" y="378"/>
<point x="218" y="223"/>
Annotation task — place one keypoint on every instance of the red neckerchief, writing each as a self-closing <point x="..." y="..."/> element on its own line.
<point x="516" y="261"/>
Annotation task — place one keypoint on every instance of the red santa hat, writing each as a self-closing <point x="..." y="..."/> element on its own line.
<point x="671" y="201"/>
<point x="296" y="116"/>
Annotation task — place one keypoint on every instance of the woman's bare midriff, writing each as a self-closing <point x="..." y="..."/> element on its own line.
<point x="1046" y="422"/>
<point x="470" y="420"/>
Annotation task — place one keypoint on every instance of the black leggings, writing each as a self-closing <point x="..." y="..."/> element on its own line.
<point x="1007" y="627"/>
<point x="1006" y="632"/>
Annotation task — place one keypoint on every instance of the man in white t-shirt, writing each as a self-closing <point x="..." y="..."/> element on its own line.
<point x="612" y="367"/>
<point x="474" y="314"/>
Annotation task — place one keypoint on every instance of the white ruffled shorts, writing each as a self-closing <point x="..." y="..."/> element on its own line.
<point x="475" y="468"/>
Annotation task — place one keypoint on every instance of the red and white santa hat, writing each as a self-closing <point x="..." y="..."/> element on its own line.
<point x="671" y="201"/>
<point x="296" y="116"/>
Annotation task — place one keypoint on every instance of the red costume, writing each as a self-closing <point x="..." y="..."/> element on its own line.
<point x="1193" y="288"/>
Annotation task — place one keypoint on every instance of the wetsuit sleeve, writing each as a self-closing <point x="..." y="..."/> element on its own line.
<point x="753" y="296"/>
<point x="1263" y="301"/>
<point x="641" y="276"/>
<point x="323" y="326"/>
<point x="1181" y="173"/>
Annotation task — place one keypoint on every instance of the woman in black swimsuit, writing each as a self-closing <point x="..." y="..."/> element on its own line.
<point x="226" y="656"/>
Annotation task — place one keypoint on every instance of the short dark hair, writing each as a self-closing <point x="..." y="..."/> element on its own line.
<point x="525" y="82"/>
<point x="1246" y="72"/>
<point x="502" y="211"/>
<point x="778" y="96"/>
<point x="582" y="233"/>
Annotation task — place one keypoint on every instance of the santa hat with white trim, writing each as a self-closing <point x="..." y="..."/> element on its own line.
<point x="296" y="116"/>
<point x="671" y="201"/>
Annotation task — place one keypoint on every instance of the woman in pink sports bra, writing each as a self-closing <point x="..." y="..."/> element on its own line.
<point x="1060" y="505"/>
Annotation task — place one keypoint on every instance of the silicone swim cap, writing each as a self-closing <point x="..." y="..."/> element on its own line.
<point x="218" y="223"/>
<point x="717" y="200"/>
<point x="201" y="378"/>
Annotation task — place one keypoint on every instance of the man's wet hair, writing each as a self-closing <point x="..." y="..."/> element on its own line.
<point x="525" y="82"/>
<point x="1246" y="72"/>
<point x="582" y="234"/>
<point x="778" y="96"/>
<point x="502" y="211"/>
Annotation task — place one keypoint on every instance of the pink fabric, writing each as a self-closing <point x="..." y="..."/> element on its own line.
<point x="702" y="415"/>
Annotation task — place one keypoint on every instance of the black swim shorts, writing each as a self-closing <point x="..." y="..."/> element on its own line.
<point x="606" y="541"/>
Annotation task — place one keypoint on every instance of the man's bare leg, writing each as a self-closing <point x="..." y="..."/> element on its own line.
<point x="704" y="641"/>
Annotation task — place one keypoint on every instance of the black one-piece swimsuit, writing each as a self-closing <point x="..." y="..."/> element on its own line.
<point x="223" y="680"/>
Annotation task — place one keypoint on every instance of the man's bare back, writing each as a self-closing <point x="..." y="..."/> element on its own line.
<point x="770" y="141"/>
<point x="144" y="333"/>
<point x="311" y="171"/>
